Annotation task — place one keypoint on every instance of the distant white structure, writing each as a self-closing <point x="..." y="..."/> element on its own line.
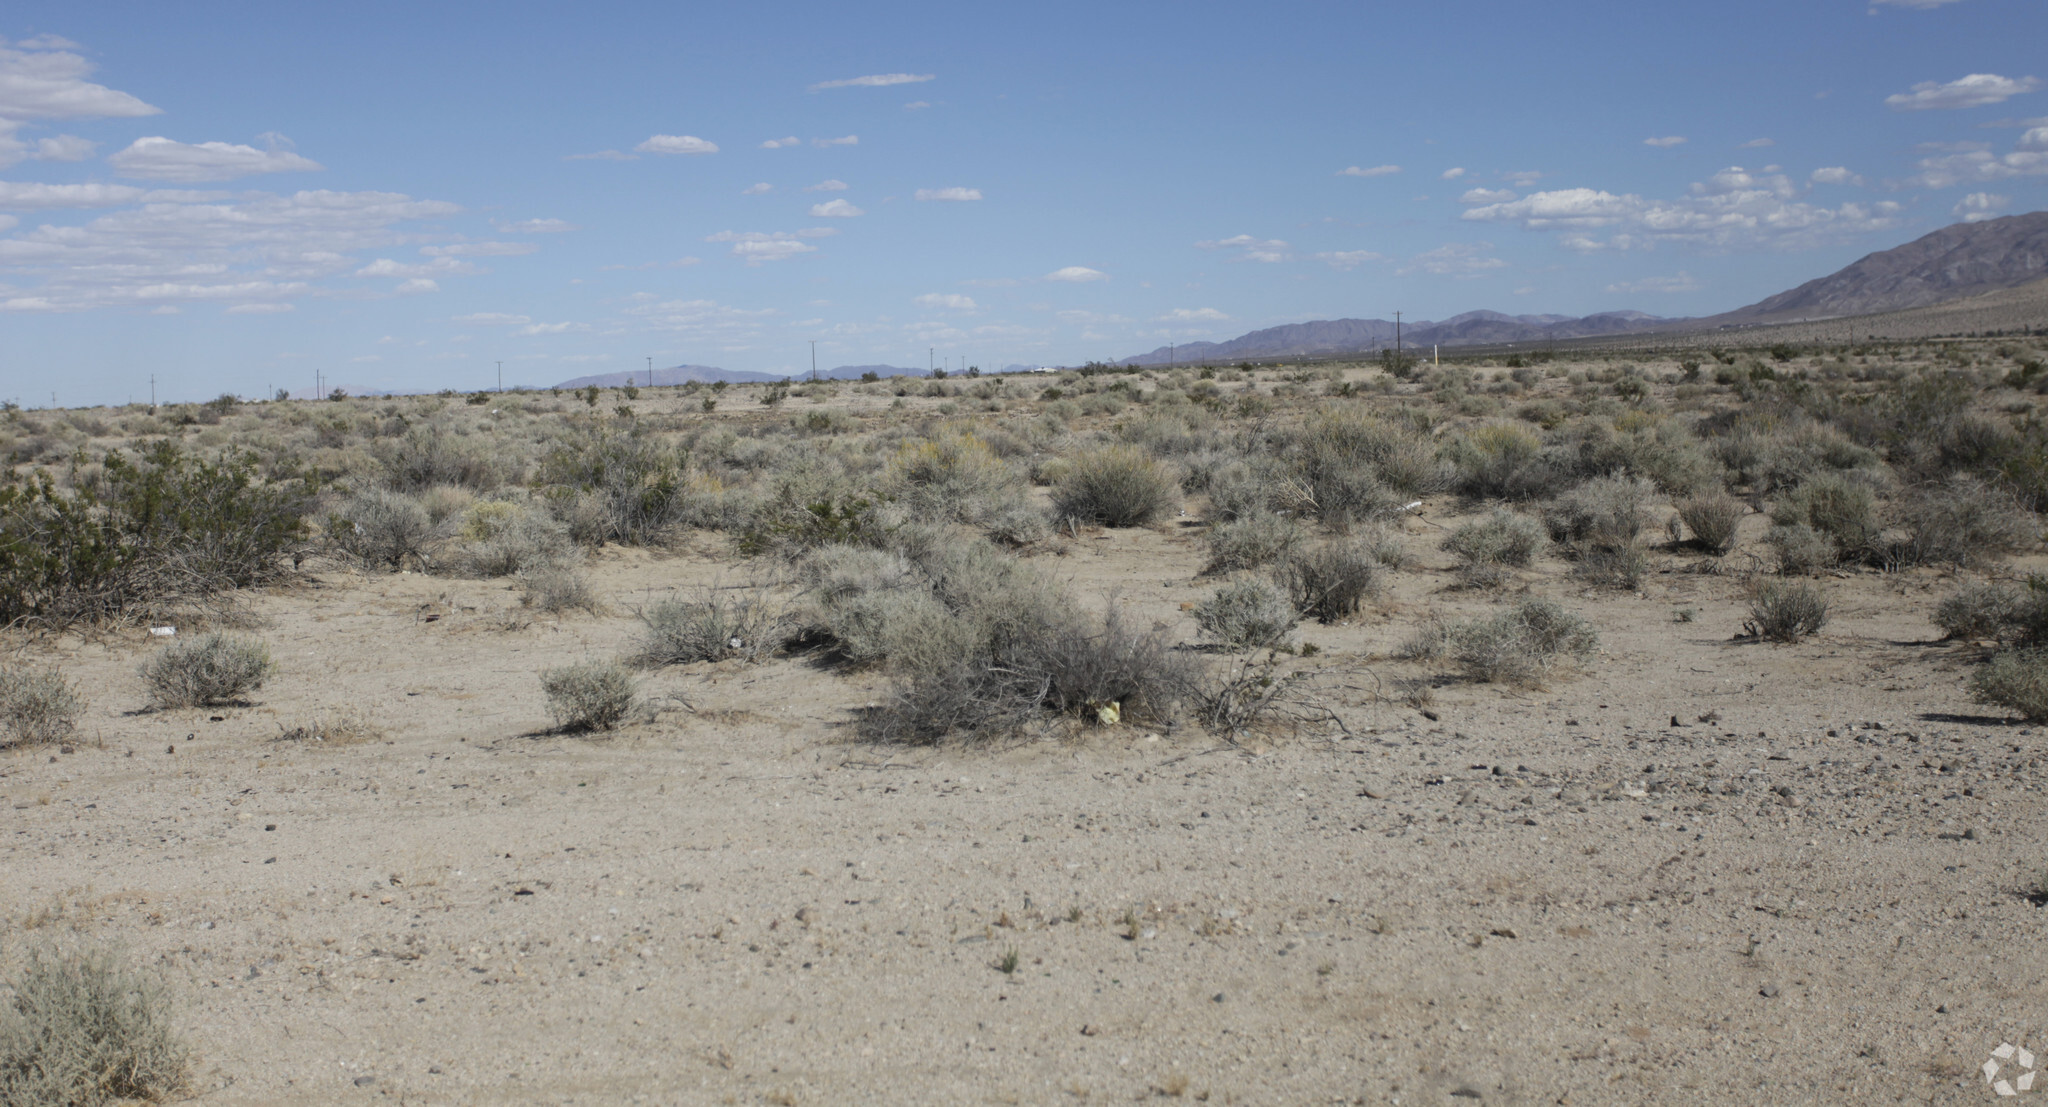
<point x="1046" y="369"/>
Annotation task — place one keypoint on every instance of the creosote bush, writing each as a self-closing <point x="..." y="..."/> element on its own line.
<point x="589" y="695"/>
<point x="1247" y="613"/>
<point x="211" y="669"/>
<point x="37" y="705"/>
<point x="1788" y="610"/>
<point x="82" y="1030"/>
<point x="1116" y="486"/>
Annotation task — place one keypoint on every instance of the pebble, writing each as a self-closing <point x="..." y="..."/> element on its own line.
<point x="1973" y="835"/>
<point x="1768" y="991"/>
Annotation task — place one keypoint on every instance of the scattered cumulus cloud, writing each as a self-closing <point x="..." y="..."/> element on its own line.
<point x="1732" y="208"/>
<point x="676" y="144"/>
<point x="1456" y="259"/>
<point x="1076" y="274"/>
<point x="1758" y="143"/>
<point x="1665" y="141"/>
<point x="258" y="309"/>
<point x="40" y="78"/>
<point x="1683" y="282"/>
<point x="64" y="148"/>
<point x="954" y="194"/>
<point x="29" y="195"/>
<point x="161" y="159"/>
<point x="1192" y="315"/>
<point x="779" y="143"/>
<point x="1973" y="91"/>
<point x="1522" y="178"/>
<point x="1253" y="249"/>
<point x="1486" y="196"/>
<point x="1835" y="175"/>
<point x="756" y="247"/>
<point x="1974" y="164"/>
<point x="947" y="301"/>
<point x="848" y="140"/>
<point x="834" y="185"/>
<point x="440" y="266"/>
<point x="835" y="209"/>
<point x="1347" y="260"/>
<point x="532" y="330"/>
<point x="1451" y="174"/>
<point x="417" y="285"/>
<point x="757" y="189"/>
<point x="534" y="226"/>
<point x="1375" y="171"/>
<point x="875" y="80"/>
<point x="1979" y="206"/>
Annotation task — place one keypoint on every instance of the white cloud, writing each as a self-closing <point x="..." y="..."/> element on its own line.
<point x="258" y="309"/>
<point x="418" y="285"/>
<point x="491" y="319"/>
<point x="1683" y="282"/>
<point x="1254" y="249"/>
<point x="771" y="236"/>
<point x="161" y="159"/>
<point x="8" y="222"/>
<point x="757" y="189"/>
<point x="438" y="267"/>
<point x="849" y="140"/>
<point x="1456" y="259"/>
<point x="954" y="194"/>
<point x="875" y="80"/>
<point x="1979" y="206"/>
<point x="26" y="195"/>
<point x="42" y="80"/>
<point x="1375" y="171"/>
<point x="64" y="148"/>
<point x="534" y="226"/>
<point x="1347" y="260"/>
<point x="1522" y="178"/>
<point x="1732" y="208"/>
<point x="532" y="329"/>
<point x="1975" y="165"/>
<point x="1486" y="196"/>
<point x="601" y="155"/>
<point x="1835" y="175"/>
<point x="1757" y="144"/>
<point x="480" y="250"/>
<point x="834" y="185"/>
<point x="1665" y="141"/>
<point x="1192" y="315"/>
<point x="835" y="209"/>
<point x="1451" y="174"/>
<point x="917" y="105"/>
<point x="1975" y="90"/>
<point x="755" y="247"/>
<point x="779" y="143"/>
<point x="702" y="320"/>
<point x="1077" y="274"/>
<point x="676" y="144"/>
<point x="947" y="301"/>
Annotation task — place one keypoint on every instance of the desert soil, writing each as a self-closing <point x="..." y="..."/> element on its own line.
<point x="1704" y="870"/>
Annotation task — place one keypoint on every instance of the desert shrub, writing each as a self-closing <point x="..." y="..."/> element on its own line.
<point x="1787" y="610"/>
<point x="589" y="695"/>
<point x="1116" y="486"/>
<point x="1801" y="550"/>
<point x="1358" y="466"/>
<point x="1520" y="645"/>
<point x="746" y="622"/>
<point x="1961" y="521"/>
<point x="1980" y="610"/>
<point x="1712" y="518"/>
<point x="1330" y="580"/>
<point x="1502" y="538"/>
<point x="1252" y="485"/>
<point x="1252" y="540"/>
<point x="430" y="455"/>
<point x="2017" y="679"/>
<point x="147" y="533"/>
<point x="1842" y="510"/>
<point x="499" y="539"/>
<point x="82" y="1030"/>
<point x="1608" y="511"/>
<point x="211" y="669"/>
<point x="640" y="484"/>
<point x="1501" y="461"/>
<point x="446" y="503"/>
<point x="556" y="588"/>
<point x="1247" y="613"/>
<point x="37" y="705"/>
<point x="1614" y="566"/>
<point x="953" y="476"/>
<point x="1638" y="444"/>
<point x="789" y="527"/>
<point x="382" y="528"/>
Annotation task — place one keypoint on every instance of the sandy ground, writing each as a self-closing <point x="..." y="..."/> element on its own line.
<point x="1705" y="871"/>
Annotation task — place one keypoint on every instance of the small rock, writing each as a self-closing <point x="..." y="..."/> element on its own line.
<point x="1467" y="797"/>
<point x="1217" y="998"/>
<point x="365" y="1081"/>
<point x="1973" y="835"/>
<point x="1431" y="715"/>
<point x="1768" y="991"/>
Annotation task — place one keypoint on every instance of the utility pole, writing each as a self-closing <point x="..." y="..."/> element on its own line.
<point x="650" y="371"/>
<point x="1397" y="338"/>
<point x="501" y="376"/>
<point x="930" y="363"/>
<point x="1169" y="355"/>
<point x="152" y="392"/>
<point x="814" y="359"/>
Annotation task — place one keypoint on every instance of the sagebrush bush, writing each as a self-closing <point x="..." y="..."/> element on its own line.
<point x="382" y="528"/>
<point x="558" y="588"/>
<point x="1247" y="613"/>
<point x="1252" y="540"/>
<point x="1518" y="646"/>
<point x="82" y="1030"/>
<point x="1842" y="510"/>
<point x="1502" y="461"/>
<point x="1502" y="538"/>
<point x="1605" y="511"/>
<point x="1788" y="610"/>
<point x="37" y="705"/>
<point x="746" y="622"/>
<point x="1357" y="465"/>
<point x="1712" y="518"/>
<point x="1801" y="550"/>
<point x="1980" y="610"/>
<point x="2017" y="679"/>
<point x="954" y="476"/>
<point x="1962" y="521"/>
<point x="211" y="669"/>
<point x="1332" y="579"/>
<point x="500" y="539"/>
<point x="1116" y="486"/>
<point x="589" y="695"/>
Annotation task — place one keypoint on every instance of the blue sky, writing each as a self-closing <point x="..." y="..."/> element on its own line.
<point x="233" y="196"/>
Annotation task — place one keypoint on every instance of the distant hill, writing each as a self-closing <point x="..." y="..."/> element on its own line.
<point x="1336" y="337"/>
<point x="1963" y="259"/>
<point x="684" y="374"/>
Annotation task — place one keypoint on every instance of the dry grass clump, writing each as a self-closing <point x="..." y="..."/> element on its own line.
<point x="499" y="539"/>
<point x="1839" y="509"/>
<point x="1598" y="524"/>
<point x="954" y="477"/>
<point x="1962" y="521"/>
<point x="1501" y="461"/>
<point x="557" y="588"/>
<point x="382" y="528"/>
<point x="1487" y="548"/>
<point x="1115" y="486"/>
<point x="721" y="622"/>
<point x="1330" y="580"/>
<point x="1787" y="610"/>
<point x="589" y="695"/>
<point x="1519" y="646"/>
<point x="1249" y="613"/>
<point x="212" y="669"/>
<point x="1358" y="465"/>
<point x="1253" y="539"/>
<point x="1712" y="518"/>
<point x="82" y="1030"/>
<point x="37" y="705"/>
<point x="344" y="726"/>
